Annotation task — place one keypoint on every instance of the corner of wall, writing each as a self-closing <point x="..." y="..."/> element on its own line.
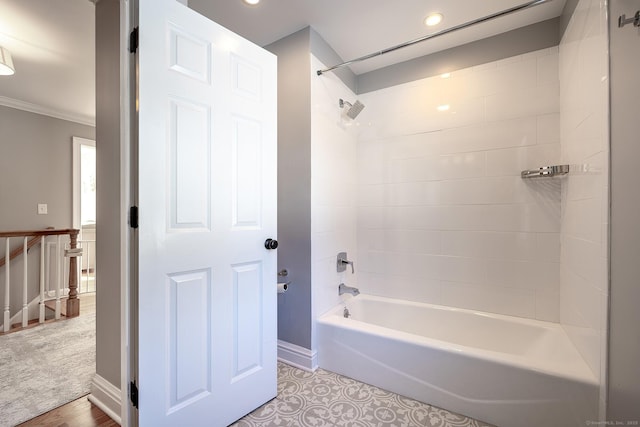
<point x="565" y="17"/>
<point x="108" y="203"/>
<point x="106" y="396"/>
<point x="294" y="185"/>
<point x="297" y="356"/>
<point x="326" y="55"/>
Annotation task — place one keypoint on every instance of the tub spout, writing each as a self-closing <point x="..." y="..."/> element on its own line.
<point x="344" y="289"/>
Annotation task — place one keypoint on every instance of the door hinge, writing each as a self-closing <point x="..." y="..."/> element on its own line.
<point x="133" y="40"/>
<point x="133" y="394"/>
<point x="133" y="217"/>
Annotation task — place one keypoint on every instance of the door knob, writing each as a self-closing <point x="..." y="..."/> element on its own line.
<point x="271" y="244"/>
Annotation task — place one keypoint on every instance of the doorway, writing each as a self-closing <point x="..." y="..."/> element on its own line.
<point x="84" y="209"/>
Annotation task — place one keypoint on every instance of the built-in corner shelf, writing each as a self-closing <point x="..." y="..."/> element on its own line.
<point x="546" y="172"/>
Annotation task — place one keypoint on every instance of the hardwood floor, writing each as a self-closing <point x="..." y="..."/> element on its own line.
<point x="79" y="413"/>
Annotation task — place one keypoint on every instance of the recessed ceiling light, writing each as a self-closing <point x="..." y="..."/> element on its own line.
<point x="251" y="2"/>
<point x="445" y="75"/>
<point x="433" y="19"/>
<point x="444" y="107"/>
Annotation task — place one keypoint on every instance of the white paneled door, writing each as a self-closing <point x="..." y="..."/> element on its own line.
<point x="207" y="203"/>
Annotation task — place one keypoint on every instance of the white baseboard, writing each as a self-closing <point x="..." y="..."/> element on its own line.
<point x="106" y="396"/>
<point x="297" y="356"/>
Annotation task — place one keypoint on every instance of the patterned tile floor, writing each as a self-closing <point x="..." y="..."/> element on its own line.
<point x="323" y="399"/>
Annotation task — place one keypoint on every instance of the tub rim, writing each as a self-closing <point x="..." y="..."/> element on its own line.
<point x="334" y="317"/>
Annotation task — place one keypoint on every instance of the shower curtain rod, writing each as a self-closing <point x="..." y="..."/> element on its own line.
<point x="438" y="34"/>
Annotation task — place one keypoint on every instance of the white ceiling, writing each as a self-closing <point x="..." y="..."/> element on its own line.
<point x="356" y="28"/>
<point x="52" y="41"/>
<point x="52" y="45"/>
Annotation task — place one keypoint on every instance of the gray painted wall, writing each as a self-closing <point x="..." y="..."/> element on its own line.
<point x="35" y="167"/>
<point x="108" y="190"/>
<point x="294" y="185"/>
<point x="565" y="17"/>
<point x="624" y="315"/>
<point x="522" y="40"/>
<point x="325" y="53"/>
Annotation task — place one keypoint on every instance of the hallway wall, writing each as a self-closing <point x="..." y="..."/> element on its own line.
<point x="35" y="167"/>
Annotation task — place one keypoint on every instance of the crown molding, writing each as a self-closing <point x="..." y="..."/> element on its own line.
<point x="47" y="111"/>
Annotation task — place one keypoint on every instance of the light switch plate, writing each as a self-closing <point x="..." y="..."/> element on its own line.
<point x="42" y="208"/>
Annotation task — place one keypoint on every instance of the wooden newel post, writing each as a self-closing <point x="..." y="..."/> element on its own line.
<point x="73" y="303"/>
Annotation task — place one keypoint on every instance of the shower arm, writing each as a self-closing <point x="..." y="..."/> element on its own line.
<point x="438" y="34"/>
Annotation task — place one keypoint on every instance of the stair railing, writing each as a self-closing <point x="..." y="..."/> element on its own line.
<point x="30" y="239"/>
<point x="87" y="265"/>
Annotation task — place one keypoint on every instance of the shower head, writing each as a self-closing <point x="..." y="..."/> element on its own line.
<point x="351" y="110"/>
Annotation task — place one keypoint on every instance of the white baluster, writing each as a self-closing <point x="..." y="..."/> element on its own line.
<point x="25" y="300"/>
<point x="41" y="305"/>
<point x="59" y="271"/>
<point x="81" y="264"/>
<point x="88" y="264"/>
<point x="7" y="287"/>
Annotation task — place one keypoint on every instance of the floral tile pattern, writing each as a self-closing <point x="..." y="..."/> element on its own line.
<point x="325" y="399"/>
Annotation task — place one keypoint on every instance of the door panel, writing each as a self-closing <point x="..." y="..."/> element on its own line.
<point x="207" y="202"/>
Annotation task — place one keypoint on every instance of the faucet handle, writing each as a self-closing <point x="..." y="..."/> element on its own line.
<point x="353" y="270"/>
<point x="342" y="262"/>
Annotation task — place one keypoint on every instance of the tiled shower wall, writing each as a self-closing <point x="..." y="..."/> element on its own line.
<point x="443" y="215"/>
<point x="585" y="145"/>
<point x="333" y="189"/>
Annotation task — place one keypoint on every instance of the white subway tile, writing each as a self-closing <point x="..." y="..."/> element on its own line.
<point x="412" y="241"/>
<point x="547" y="70"/>
<point x="412" y="193"/>
<point x="372" y="168"/>
<point x="372" y="195"/>
<point x="508" y="274"/>
<point x="413" y="145"/>
<point x="412" y="217"/>
<point x="488" y="136"/>
<point x="510" y="75"/>
<point x="508" y="190"/>
<point x="467" y="217"/>
<point x="471" y="191"/>
<point x="368" y="217"/>
<point x="460" y="113"/>
<point x="582" y="219"/>
<point x="416" y="265"/>
<point x="413" y="169"/>
<point x="547" y="247"/>
<point x="583" y="258"/>
<point x="548" y="128"/>
<point x="531" y="101"/>
<point x="375" y="262"/>
<point x="514" y="302"/>
<point x="547" y="305"/>
<point x="578" y="296"/>
<point x="461" y="165"/>
<point x="584" y="186"/>
<point x="463" y="269"/>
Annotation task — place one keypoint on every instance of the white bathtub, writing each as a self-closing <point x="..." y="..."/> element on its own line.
<point x="503" y="370"/>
